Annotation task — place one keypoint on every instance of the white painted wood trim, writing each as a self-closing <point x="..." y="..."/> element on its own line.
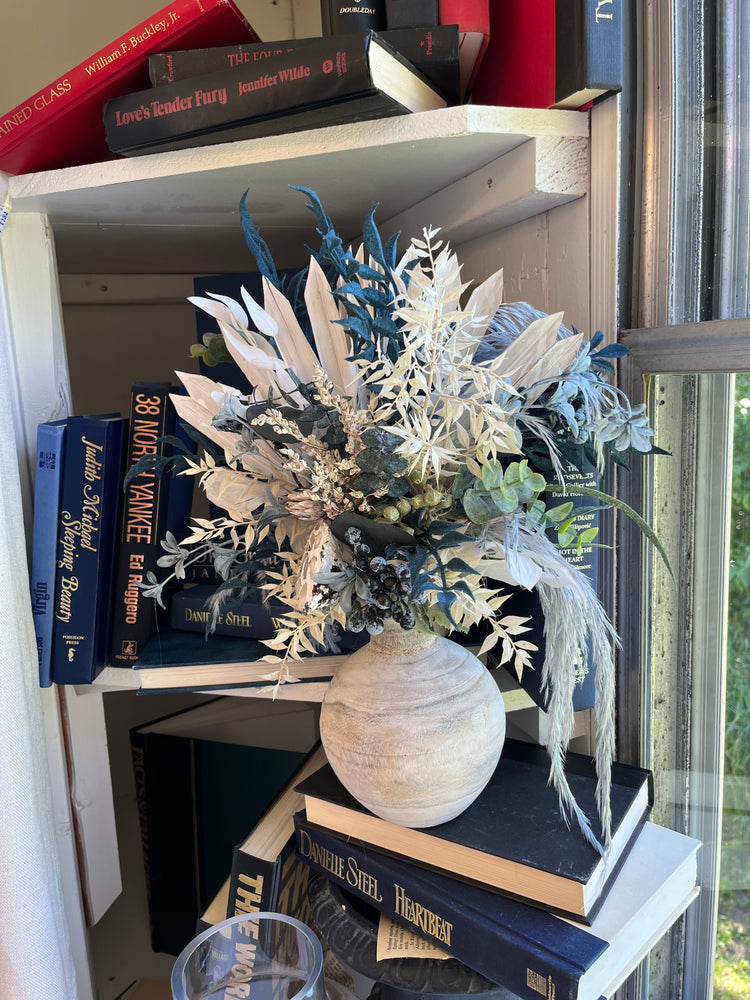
<point x="604" y="217"/>
<point x="30" y="271"/>
<point x="204" y="164"/>
<point x="92" y="801"/>
<point x="721" y="345"/>
<point x="65" y="842"/>
<point x="532" y="178"/>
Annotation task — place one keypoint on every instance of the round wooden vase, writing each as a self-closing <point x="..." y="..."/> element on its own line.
<point x="413" y="725"/>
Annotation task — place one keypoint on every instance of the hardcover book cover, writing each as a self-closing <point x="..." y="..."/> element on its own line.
<point x="411" y="13"/>
<point x="251" y="618"/>
<point x="86" y="545"/>
<point x="339" y="79"/>
<point x="151" y="506"/>
<point x="512" y="838"/>
<point x="61" y="125"/>
<point x="203" y="777"/>
<point x="433" y="50"/>
<point x="518" y="70"/>
<point x="50" y="458"/>
<point x="188" y="661"/>
<point x="588" y="47"/>
<point x="474" y="33"/>
<point x="343" y="18"/>
<point x="266" y="872"/>
<point x="527" y="950"/>
<point x="526" y="603"/>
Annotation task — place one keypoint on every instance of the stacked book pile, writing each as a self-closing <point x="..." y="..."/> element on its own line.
<point x="196" y="73"/>
<point x="507" y="887"/>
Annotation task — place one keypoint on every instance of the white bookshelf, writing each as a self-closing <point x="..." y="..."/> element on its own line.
<point x="507" y="186"/>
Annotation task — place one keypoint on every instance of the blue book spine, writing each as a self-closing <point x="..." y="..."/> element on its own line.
<point x="588" y="50"/>
<point x="527" y="950"/>
<point x="50" y="456"/>
<point x="86" y="544"/>
<point x="151" y="506"/>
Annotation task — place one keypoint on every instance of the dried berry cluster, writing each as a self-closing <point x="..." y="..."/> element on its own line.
<point x="388" y="583"/>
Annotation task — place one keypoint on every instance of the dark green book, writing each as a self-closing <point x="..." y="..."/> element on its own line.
<point x="203" y="777"/>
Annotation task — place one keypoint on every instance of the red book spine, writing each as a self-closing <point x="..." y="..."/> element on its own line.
<point x="469" y="15"/>
<point x="119" y="67"/>
<point x="518" y="69"/>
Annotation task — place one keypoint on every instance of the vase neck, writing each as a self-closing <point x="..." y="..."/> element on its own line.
<point x="393" y="638"/>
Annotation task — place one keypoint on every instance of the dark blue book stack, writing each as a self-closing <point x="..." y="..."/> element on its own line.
<point x="527" y="950"/>
<point x="507" y="888"/>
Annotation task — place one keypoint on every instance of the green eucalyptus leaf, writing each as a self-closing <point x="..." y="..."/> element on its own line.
<point x="559" y="513"/>
<point x="492" y="475"/>
<point x="626" y="509"/>
<point x="478" y="507"/>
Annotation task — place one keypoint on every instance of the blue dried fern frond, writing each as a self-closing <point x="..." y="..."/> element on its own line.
<point x="257" y="245"/>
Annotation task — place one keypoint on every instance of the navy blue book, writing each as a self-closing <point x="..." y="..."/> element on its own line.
<point x="588" y="50"/>
<point x="512" y="838"/>
<point x="529" y="951"/>
<point x="50" y="455"/>
<point x="86" y="546"/>
<point x="151" y="506"/>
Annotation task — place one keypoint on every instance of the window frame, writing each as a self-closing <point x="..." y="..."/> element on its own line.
<point x="693" y="676"/>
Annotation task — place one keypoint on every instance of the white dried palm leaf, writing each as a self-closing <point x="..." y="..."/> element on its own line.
<point x="222" y="308"/>
<point x="235" y="492"/>
<point x="291" y="342"/>
<point x="265" y="372"/>
<point x="551" y="365"/>
<point x="207" y="392"/>
<point x="517" y="360"/>
<point x="199" y="416"/>
<point x="331" y="340"/>
<point x="481" y="306"/>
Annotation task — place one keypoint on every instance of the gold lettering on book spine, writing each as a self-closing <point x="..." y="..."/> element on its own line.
<point x="421" y="917"/>
<point x="541" y="984"/>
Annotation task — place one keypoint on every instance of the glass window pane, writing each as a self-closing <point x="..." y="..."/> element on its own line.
<point x="732" y="970"/>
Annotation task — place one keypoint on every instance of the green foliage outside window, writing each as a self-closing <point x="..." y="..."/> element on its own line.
<point x="732" y="971"/>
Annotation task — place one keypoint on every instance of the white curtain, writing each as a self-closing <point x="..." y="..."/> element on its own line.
<point x="35" y="950"/>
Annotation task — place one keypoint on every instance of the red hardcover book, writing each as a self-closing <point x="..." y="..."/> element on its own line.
<point x="518" y="68"/>
<point x="473" y="20"/>
<point x="61" y="125"/>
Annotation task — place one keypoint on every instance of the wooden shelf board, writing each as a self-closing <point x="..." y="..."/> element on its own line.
<point x="397" y="162"/>
<point x="127" y="679"/>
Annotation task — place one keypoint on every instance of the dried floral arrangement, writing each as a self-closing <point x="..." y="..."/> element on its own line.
<point x="395" y="458"/>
